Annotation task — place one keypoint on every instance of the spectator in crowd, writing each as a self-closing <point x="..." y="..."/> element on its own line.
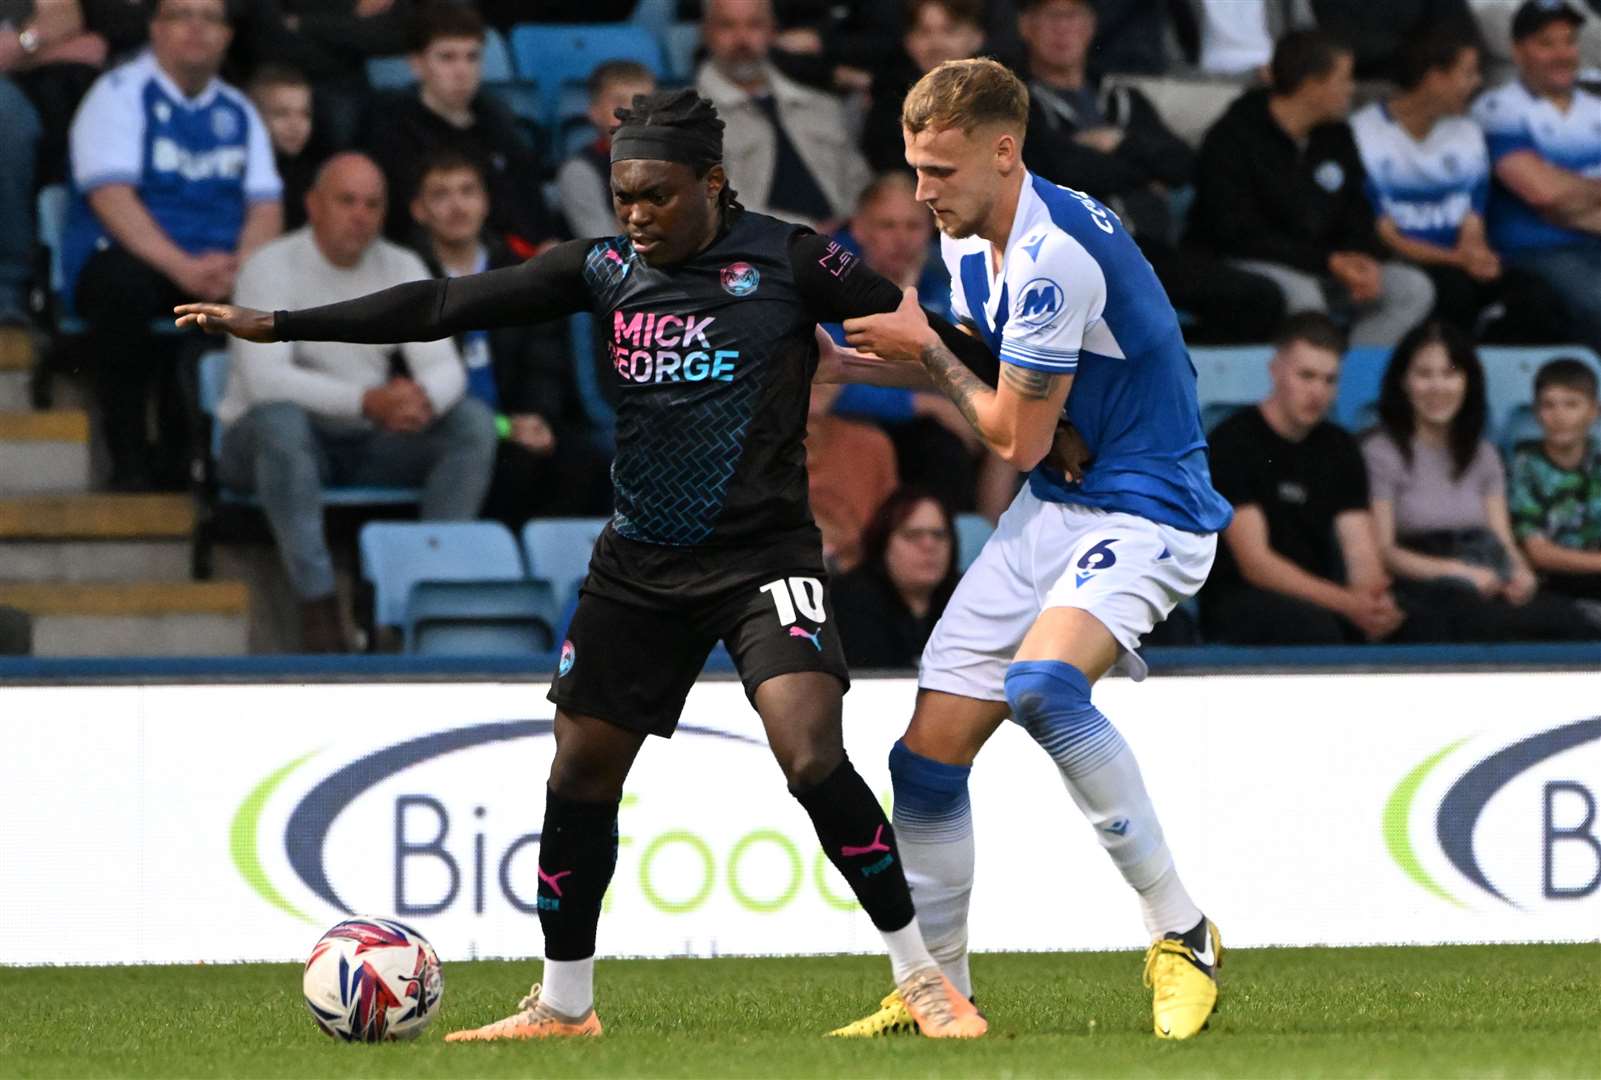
<point x="1279" y="190"/>
<point x="175" y="186"/>
<point x="851" y="471"/>
<point x="1556" y="482"/>
<point x="1429" y="180"/>
<point x="330" y="41"/>
<point x="1235" y="37"/>
<point x="788" y="144"/>
<point x="584" y="179"/>
<point x="935" y="446"/>
<point x="1378" y="32"/>
<point x="1299" y="565"/>
<point x="547" y="463"/>
<point x="298" y="415"/>
<point x="283" y="98"/>
<point x="1109" y="141"/>
<point x="888" y="606"/>
<point x="1544" y="135"/>
<point x="1440" y="507"/>
<point x="50" y="53"/>
<point x="1135" y="37"/>
<point x="448" y="110"/>
<point x="508" y="13"/>
<point x="935" y="31"/>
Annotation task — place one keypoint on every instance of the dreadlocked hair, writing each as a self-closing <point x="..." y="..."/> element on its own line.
<point x="688" y="112"/>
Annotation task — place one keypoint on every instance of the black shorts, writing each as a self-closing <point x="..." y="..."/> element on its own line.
<point x="648" y="616"/>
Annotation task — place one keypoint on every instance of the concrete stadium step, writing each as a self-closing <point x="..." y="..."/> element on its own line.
<point x="44" y="452"/>
<point x="16" y="368"/>
<point x="89" y="538"/>
<point x="192" y="618"/>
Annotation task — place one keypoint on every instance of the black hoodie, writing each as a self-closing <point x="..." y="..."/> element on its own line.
<point x="1260" y="196"/>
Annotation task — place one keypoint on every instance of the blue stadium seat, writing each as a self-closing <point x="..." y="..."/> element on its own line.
<point x="655" y="15"/>
<point x="390" y="72"/>
<point x="1231" y="373"/>
<point x="972" y="530"/>
<point x="51" y="217"/>
<point x="558" y="550"/>
<point x="681" y="41"/>
<point x="1361" y="372"/>
<point x="498" y="66"/>
<point x="1509" y="375"/>
<point x="556" y="55"/>
<point x="599" y="411"/>
<point x="212" y="383"/>
<point x="396" y="555"/>
<point x="480" y="618"/>
<point x="1215" y="412"/>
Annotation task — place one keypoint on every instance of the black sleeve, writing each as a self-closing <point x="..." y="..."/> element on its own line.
<point x="837" y="286"/>
<point x="548" y="286"/>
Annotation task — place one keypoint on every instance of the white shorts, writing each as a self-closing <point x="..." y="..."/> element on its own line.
<point x="1127" y="571"/>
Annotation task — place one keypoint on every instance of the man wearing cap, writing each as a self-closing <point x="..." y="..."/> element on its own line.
<point x="1544" y="136"/>
<point x="711" y="313"/>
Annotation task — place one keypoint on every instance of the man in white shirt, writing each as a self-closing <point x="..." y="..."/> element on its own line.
<point x="1544" y="135"/>
<point x="173" y="186"/>
<point x="297" y="414"/>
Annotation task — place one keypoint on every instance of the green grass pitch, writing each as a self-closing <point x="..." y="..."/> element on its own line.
<point x="1451" y="1011"/>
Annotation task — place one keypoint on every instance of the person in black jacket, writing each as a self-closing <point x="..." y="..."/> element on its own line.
<point x="548" y="463"/>
<point x="449" y="111"/>
<point x="1279" y="190"/>
<point x="1110" y="142"/>
<point x="888" y="606"/>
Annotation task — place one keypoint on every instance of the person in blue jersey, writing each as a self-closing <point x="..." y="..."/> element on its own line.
<point x="1428" y="178"/>
<point x="173" y="188"/>
<point x="1544" y="136"/>
<point x="1081" y="566"/>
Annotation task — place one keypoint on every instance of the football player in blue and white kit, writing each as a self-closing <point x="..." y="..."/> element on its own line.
<point x="1428" y="178"/>
<point x="1080" y="566"/>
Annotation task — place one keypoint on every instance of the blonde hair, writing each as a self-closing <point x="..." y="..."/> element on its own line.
<point x="966" y="94"/>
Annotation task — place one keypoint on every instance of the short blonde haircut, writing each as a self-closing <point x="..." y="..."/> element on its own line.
<point x="966" y="94"/>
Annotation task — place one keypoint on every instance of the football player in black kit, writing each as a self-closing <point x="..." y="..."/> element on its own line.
<point x="712" y="314"/>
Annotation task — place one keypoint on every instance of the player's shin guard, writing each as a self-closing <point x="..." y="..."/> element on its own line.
<point x="577" y="854"/>
<point x="861" y="845"/>
<point x="934" y="828"/>
<point x="1051" y="700"/>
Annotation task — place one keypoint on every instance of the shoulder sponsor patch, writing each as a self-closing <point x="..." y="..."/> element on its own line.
<point x="1039" y="303"/>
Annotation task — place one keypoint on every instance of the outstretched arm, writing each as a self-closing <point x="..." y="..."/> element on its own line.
<point x="545" y="287"/>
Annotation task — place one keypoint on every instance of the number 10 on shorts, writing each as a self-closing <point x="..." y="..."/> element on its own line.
<point x="802" y="593"/>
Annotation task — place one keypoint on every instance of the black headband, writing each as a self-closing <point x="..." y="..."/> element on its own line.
<point x="700" y="151"/>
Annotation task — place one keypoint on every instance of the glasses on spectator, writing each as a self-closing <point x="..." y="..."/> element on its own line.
<point x="914" y="534"/>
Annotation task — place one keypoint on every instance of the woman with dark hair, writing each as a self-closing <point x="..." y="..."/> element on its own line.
<point x="1439" y="503"/>
<point x="888" y="606"/>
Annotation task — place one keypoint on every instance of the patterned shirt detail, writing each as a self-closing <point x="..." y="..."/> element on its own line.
<point x="1563" y="505"/>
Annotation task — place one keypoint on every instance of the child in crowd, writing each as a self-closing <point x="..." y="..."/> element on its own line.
<point x="1556" y="482"/>
<point x="283" y="97"/>
<point x="584" y="180"/>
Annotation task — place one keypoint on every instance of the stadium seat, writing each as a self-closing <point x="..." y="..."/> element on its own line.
<point x="498" y="66"/>
<point x="1215" y="412"/>
<point x="480" y="618"/>
<point x="556" y="55"/>
<point x="558" y="550"/>
<point x="597" y="409"/>
<point x="1509" y="376"/>
<point x="1361" y="373"/>
<point x="396" y="555"/>
<point x="390" y="72"/>
<point x="655" y="15"/>
<point x="681" y="41"/>
<point x="1231" y="373"/>
<point x="51" y="218"/>
<point x="972" y="530"/>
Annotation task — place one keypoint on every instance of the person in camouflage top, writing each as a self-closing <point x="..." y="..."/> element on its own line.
<point x="1555" y="496"/>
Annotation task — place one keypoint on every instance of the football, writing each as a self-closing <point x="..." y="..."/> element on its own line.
<point x="371" y="979"/>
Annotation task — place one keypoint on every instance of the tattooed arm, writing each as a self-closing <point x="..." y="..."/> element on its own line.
<point x="1017" y="419"/>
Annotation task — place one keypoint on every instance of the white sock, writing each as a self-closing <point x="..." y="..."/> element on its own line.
<point x="1112" y="796"/>
<point x="569" y="986"/>
<point x="939" y="868"/>
<point x="907" y="953"/>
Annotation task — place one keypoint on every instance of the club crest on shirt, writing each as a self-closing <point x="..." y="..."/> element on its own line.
<point x="224" y="125"/>
<point x="568" y="655"/>
<point x="740" y="279"/>
<point x="1039" y="303"/>
<point x="1329" y="176"/>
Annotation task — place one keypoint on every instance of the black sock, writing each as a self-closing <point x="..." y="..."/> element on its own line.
<point x="577" y="854"/>
<point x="861" y="844"/>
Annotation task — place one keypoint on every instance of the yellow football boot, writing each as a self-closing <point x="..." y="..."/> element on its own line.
<point x="892" y="1018"/>
<point x="1183" y="980"/>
